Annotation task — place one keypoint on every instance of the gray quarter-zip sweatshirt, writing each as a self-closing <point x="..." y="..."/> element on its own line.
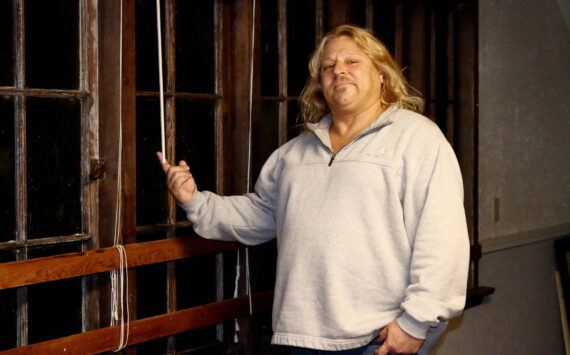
<point x="378" y="233"/>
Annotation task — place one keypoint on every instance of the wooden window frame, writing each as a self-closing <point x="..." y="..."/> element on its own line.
<point x="109" y="100"/>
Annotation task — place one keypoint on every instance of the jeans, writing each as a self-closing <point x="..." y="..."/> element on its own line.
<point x="363" y="350"/>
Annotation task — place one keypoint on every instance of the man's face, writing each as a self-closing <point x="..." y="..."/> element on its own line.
<point x="349" y="80"/>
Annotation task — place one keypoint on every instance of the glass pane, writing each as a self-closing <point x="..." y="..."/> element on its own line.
<point x="204" y="339"/>
<point x="265" y="136"/>
<point x="300" y="43"/>
<point x="263" y="264"/>
<point x="52" y="44"/>
<point x="195" y="289"/>
<point x="293" y="124"/>
<point x="152" y="200"/>
<point x="56" y="249"/>
<point x="147" y="45"/>
<point x="153" y="347"/>
<point x="54" y="300"/>
<point x="7" y="173"/>
<point x="196" y="141"/>
<point x="384" y="23"/>
<point x="269" y="49"/>
<point x="151" y="290"/>
<point x="6" y="44"/>
<point x="357" y="12"/>
<point x="54" y="166"/>
<point x="195" y="47"/>
<point x="8" y="304"/>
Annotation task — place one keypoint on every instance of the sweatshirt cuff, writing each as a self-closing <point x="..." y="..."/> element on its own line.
<point x="192" y="205"/>
<point x="411" y="326"/>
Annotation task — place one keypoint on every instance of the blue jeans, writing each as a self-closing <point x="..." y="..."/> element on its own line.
<point x="363" y="350"/>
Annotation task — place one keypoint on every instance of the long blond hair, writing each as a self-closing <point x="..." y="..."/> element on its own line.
<point x="395" y="89"/>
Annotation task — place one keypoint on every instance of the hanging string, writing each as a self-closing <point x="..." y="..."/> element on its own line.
<point x="119" y="302"/>
<point x="248" y="178"/>
<point x="160" y="79"/>
<point x="119" y="277"/>
<point x="247" y="276"/>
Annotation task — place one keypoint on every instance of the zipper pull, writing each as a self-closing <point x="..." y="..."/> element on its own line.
<point x="332" y="158"/>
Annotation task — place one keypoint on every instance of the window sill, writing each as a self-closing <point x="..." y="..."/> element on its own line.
<point x="476" y="295"/>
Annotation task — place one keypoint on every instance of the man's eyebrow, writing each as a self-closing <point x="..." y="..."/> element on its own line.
<point x="348" y="54"/>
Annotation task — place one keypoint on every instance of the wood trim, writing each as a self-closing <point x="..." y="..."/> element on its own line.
<point x="28" y="272"/>
<point x="524" y="238"/>
<point x="142" y="330"/>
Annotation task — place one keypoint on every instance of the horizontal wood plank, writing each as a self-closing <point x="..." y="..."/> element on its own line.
<point x="106" y="339"/>
<point x="51" y="268"/>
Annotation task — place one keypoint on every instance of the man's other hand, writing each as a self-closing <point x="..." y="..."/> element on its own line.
<point x="396" y="341"/>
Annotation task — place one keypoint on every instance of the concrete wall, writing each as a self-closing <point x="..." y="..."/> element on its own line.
<point x="524" y="162"/>
<point x="524" y="116"/>
<point x="521" y="317"/>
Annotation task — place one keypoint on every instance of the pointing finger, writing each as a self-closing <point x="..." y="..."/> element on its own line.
<point x="164" y="163"/>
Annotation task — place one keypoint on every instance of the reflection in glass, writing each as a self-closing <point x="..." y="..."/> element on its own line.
<point x="52" y="44"/>
<point x="195" y="46"/>
<point x="54" y="166"/>
<point x="152" y="203"/>
<point x="6" y="44"/>
<point x="7" y="172"/>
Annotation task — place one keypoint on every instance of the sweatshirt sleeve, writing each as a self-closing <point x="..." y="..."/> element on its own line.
<point x="436" y="225"/>
<point x="249" y="219"/>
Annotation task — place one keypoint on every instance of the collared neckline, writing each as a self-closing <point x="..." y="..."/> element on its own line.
<point x="321" y="128"/>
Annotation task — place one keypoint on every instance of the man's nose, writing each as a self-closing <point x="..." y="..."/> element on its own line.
<point x="339" y="69"/>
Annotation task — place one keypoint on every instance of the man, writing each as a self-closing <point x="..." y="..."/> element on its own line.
<point x="367" y="207"/>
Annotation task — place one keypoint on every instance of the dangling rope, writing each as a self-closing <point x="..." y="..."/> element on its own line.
<point x="248" y="283"/>
<point x="248" y="181"/>
<point x="119" y="277"/>
<point x="160" y="79"/>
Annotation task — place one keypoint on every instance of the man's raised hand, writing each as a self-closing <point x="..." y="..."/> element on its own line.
<point x="179" y="180"/>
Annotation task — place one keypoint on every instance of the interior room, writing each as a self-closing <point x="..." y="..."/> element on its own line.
<point x="97" y="257"/>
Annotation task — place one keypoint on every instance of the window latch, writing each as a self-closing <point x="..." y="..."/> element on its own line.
<point x="97" y="169"/>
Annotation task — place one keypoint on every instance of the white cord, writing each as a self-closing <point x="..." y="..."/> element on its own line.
<point x="120" y="277"/>
<point x="248" y="181"/>
<point x="119" y="305"/>
<point x="160" y="79"/>
<point x="251" y="67"/>
<point x="236" y="339"/>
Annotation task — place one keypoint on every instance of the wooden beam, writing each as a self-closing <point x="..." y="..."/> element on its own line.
<point x="106" y="339"/>
<point x="28" y="272"/>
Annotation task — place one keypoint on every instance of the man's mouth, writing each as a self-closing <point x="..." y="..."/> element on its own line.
<point x="341" y="84"/>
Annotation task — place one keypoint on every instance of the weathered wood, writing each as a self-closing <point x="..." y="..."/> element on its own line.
<point x="28" y="272"/>
<point x="106" y="339"/>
